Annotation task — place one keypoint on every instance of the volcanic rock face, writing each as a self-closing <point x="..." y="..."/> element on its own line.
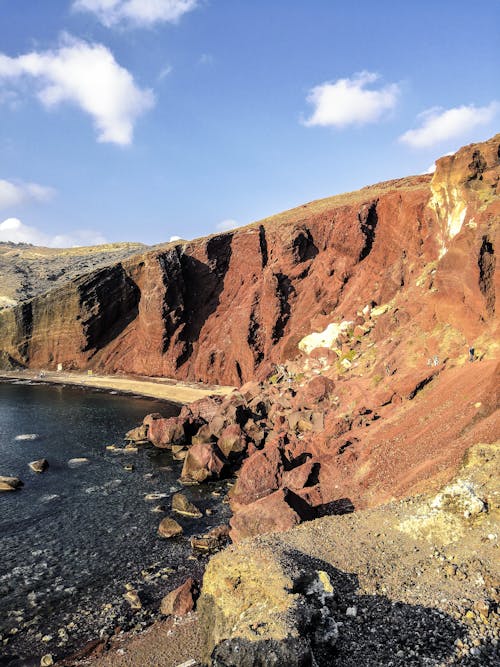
<point x="223" y="309"/>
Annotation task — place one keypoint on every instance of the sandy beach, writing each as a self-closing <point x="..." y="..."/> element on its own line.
<point x="162" y="388"/>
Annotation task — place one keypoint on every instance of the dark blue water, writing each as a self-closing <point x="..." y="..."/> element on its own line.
<point x="73" y="537"/>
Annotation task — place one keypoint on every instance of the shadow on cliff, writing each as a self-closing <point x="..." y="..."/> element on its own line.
<point x="203" y="285"/>
<point x="372" y="629"/>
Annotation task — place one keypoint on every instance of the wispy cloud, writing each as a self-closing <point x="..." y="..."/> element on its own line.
<point x="15" y="231"/>
<point x="164" y="72"/>
<point x="136" y="13"/>
<point x="14" y="193"/>
<point x="439" y="124"/>
<point x="351" y="101"/>
<point x="86" y="75"/>
<point x="227" y="225"/>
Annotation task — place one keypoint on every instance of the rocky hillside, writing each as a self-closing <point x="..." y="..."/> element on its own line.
<point x="225" y="308"/>
<point x="27" y="271"/>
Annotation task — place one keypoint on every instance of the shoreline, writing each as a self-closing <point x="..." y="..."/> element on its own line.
<point x="166" y="389"/>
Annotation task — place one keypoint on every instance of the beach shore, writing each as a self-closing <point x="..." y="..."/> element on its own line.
<point x="165" y="389"/>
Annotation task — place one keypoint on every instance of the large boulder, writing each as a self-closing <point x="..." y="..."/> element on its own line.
<point x="203" y="461"/>
<point x="277" y="512"/>
<point x="232" y="441"/>
<point x="164" y="433"/>
<point x="259" y="611"/>
<point x="260" y="474"/>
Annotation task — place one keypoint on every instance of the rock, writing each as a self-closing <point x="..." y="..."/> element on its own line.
<point x="138" y="434"/>
<point x="203" y="436"/>
<point x="260" y="474"/>
<point x="10" y="483"/>
<point x="133" y="599"/>
<point x="153" y="416"/>
<point x="169" y="528"/>
<point x="202" y="462"/>
<point x="27" y="436"/>
<point x="46" y="660"/>
<point x="212" y="541"/>
<point x="318" y="389"/>
<point x="155" y="496"/>
<point x="39" y="466"/>
<point x="181" y="505"/>
<point x="75" y="463"/>
<point x="180" y="601"/>
<point x="164" y="433"/>
<point x="232" y="441"/>
<point x="277" y="512"/>
<point x="256" y="611"/>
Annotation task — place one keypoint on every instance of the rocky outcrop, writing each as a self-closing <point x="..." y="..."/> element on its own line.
<point x="412" y="583"/>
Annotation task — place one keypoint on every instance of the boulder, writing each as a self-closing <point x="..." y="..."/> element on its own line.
<point x="277" y="512"/>
<point x="203" y="436"/>
<point x="181" y="505"/>
<point x="260" y="475"/>
<point x="169" y="528"/>
<point x="10" y="483"/>
<point x="164" y="433"/>
<point x="203" y="461"/>
<point x="213" y="541"/>
<point x="256" y="610"/>
<point x="153" y="416"/>
<point x="232" y="441"/>
<point x="180" y="601"/>
<point x="39" y="466"/>
<point x="138" y="434"/>
<point x="317" y="389"/>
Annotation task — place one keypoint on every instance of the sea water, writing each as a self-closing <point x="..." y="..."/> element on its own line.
<point x="76" y="536"/>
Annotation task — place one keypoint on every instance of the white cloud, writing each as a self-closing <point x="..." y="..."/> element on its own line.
<point x="88" y="76"/>
<point x="350" y="102"/>
<point x="136" y="13"/>
<point x="16" y="193"/>
<point x="15" y="231"/>
<point x="227" y="225"/>
<point x="165" y="72"/>
<point x="439" y="124"/>
<point x="174" y="238"/>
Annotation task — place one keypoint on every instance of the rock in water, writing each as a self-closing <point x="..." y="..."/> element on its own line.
<point x="181" y="505"/>
<point x="10" y="483"/>
<point x="39" y="466"/>
<point x="169" y="528"/>
<point x="74" y="463"/>
<point x="27" y="436"/>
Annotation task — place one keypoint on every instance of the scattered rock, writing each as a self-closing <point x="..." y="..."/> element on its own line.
<point x="75" y="463"/>
<point x="181" y="505"/>
<point x="27" y="436"/>
<point x="10" y="483"/>
<point x="180" y="601"/>
<point x="39" y="466"/>
<point x="132" y="597"/>
<point x="169" y="528"/>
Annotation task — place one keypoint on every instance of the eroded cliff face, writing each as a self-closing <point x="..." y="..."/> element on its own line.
<point x="225" y="308"/>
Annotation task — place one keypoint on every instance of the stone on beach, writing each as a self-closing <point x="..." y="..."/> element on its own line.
<point x="169" y="528"/>
<point x="39" y="466"/>
<point x="10" y="483"/>
<point x="133" y="599"/>
<point x="181" y="505"/>
<point x="180" y="601"/>
<point x="27" y="436"/>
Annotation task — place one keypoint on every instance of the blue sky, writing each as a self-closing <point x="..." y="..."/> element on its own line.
<point x="144" y="119"/>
